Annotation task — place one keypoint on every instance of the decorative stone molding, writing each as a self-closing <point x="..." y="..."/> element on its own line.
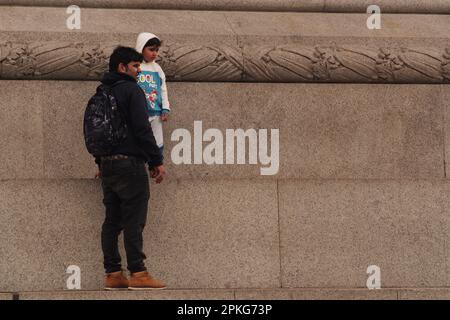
<point x="347" y="64"/>
<point x="203" y="62"/>
<point x="53" y="60"/>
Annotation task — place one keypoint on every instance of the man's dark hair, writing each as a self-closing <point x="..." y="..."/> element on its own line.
<point x="123" y="55"/>
<point x="153" y="42"/>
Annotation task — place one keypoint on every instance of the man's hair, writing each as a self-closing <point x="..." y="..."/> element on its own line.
<point x="123" y="55"/>
<point x="153" y="42"/>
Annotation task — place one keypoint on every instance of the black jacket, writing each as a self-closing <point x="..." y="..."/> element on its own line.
<point x="131" y="102"/>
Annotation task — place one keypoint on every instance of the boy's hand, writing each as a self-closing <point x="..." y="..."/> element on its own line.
<point x="158" y="173"/>
<point x="98" y="175"/>
<point x="164" y="117"/>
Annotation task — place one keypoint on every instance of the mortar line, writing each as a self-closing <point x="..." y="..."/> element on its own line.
<point x="231" y="27"/>
<point x="279" y="234"/>
<point x="238" y="45"/>
<point x="444" y="130"/>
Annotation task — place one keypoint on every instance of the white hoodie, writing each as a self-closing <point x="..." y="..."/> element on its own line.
<point x="152" y="80"/>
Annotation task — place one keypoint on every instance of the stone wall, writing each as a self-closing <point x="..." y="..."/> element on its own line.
<point x="362" y="177"/>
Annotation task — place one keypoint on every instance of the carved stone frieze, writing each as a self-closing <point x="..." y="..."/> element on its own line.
<point x="212" y="62"/>
<point x="53" y="60"/>
<point x="347" y="64"/>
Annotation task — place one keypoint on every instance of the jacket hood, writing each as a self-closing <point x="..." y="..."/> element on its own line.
<point x="109" y="78"/>
<point x="142" y="39"/>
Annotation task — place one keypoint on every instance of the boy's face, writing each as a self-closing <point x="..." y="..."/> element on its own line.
<point x="150" y="53"/>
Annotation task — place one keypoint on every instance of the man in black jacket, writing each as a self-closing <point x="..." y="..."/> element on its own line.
<point x="125" y="179"/>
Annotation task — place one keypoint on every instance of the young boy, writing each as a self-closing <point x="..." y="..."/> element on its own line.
<point x="153" y="81"/>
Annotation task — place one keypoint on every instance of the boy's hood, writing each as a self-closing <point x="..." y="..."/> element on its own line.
<point x="142" y="39"/>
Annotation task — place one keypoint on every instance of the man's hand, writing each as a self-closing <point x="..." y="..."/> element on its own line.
<point x="158" y="173"/>
<point x="98" y="175"/>
<point x="164" y="117"/>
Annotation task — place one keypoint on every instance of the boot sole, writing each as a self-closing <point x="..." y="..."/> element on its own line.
<point x="115" y="289"/>
<point x="144" y="289"/>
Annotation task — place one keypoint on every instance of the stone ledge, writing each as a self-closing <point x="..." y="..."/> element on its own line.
<point x="247" y="294"/>
<point x="167" y="294"/>
<point x="273" y="26"/>
<point x="316" y="294"/>
<point x="6" y="296"/>
<point x="424" y="294"/>
<point x="391" y="6"/>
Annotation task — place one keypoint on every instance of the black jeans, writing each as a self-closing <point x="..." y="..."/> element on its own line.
<point x="125" y="196"/>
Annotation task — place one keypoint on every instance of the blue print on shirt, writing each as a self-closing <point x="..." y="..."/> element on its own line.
<point x="150" y="82"/>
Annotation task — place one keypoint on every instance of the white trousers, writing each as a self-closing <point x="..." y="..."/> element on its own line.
<point x="157" y="128"/>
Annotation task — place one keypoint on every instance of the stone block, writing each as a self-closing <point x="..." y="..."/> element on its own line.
<point x="160" y="22"/>
<point x="332" y="231"/>
<point x="21" y="129"/>
<point x="308" y="24"/>
<point x="218" y="234"/>
<point x="199" y="234"/>
<point x="65" y="150"/>
<point x="325" y="130"/>
<point x="51" y="226"/>
<point x="359" y="131"/>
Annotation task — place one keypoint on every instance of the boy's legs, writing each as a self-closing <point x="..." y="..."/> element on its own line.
<point x="157" y="128"/>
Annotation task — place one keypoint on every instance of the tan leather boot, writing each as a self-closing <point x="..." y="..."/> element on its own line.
<point x="144" y="281"/>
<point x="116" y="281"/>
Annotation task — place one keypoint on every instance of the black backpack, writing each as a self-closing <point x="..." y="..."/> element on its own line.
<point x="104" y="126"/>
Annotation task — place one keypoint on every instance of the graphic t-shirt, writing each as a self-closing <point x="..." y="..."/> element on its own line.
<point x="150" y="82"/>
